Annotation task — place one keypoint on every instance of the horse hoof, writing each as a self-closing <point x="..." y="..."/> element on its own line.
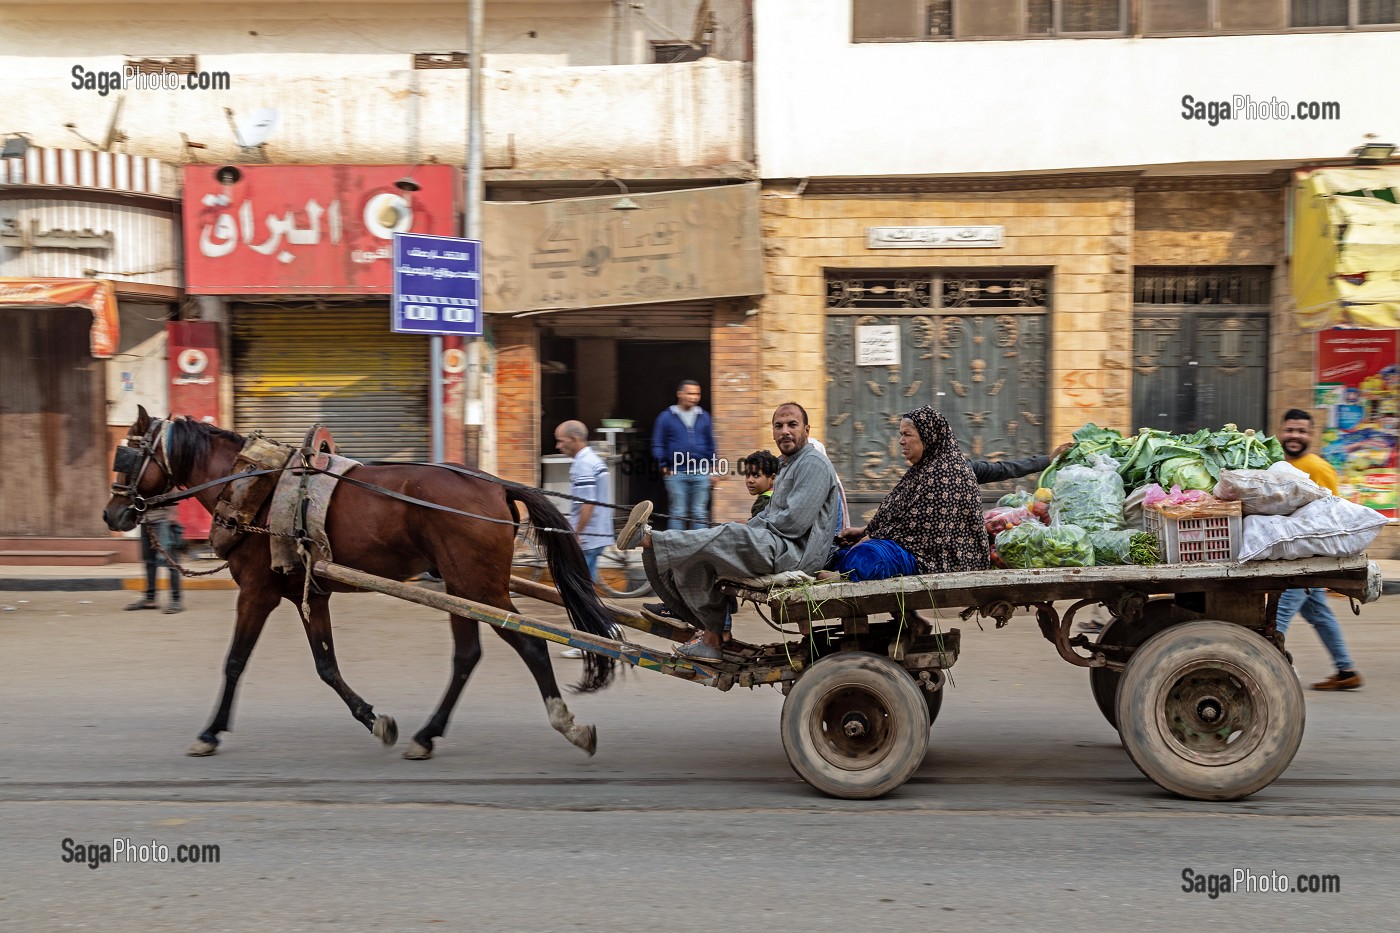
<point x="201" y="749"/>
<point x="588" y="740"/>
<point x="385" y="729"/>
<point x="416" y="752"/>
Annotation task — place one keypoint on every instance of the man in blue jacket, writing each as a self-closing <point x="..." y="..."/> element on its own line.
<point x="683" y="443"/>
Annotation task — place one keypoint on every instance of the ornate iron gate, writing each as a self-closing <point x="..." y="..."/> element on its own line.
<point x="974" y="346"/>
<point x="1200" y="348"/>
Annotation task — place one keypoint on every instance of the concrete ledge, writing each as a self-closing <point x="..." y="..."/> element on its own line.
<point x="57" y="558"/>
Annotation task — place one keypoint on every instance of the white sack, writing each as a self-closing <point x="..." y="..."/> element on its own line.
<point x="1288" y="469"/>
<point x="1330" y="527"/>
<point x="1266" y="492"/>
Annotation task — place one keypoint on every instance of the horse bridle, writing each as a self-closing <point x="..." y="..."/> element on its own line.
<point x="133" y="457"/>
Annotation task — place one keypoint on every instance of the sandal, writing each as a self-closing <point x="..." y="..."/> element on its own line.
<point x="636" y="528"/>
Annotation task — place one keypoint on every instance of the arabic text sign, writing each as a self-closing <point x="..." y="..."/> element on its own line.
<point x="877" y="345"/>
<point x="307" y="229"/>
<point x="581" y="253"/>
<point x="437" y="285"/>
<point x="933" y="237"/>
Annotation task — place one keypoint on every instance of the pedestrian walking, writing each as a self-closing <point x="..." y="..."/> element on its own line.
<point x="1296" y="436"/>
<point x="161" y="525"/>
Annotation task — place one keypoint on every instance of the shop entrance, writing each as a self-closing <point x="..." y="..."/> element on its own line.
<point x="1201" y="347"/>
<point x="597" y="378"/>
<point x="52" y="425"/>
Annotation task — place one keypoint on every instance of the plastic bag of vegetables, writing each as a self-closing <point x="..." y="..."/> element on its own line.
<point x="1015" y="500"/>
<point x="1090" y="497"/>
<point x="1031" y="544"/>
<point x="1124" y="547"/>
<point x="1001" y="518"/>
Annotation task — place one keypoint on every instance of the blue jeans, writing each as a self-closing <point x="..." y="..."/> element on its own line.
<point x="590" y="557"/>
<point x="1313" y="603"/>
<point x="688" y="500"/>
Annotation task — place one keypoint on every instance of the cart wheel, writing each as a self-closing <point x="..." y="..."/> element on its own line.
<point x="1157" y="615"/>
<point x="855" y="726"/>
<point x="1210" y="710"/>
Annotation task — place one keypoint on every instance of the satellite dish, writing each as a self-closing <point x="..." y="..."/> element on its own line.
<point x="255" y="130"/>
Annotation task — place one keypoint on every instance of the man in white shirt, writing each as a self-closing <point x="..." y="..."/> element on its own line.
<point x="588" y="479"/>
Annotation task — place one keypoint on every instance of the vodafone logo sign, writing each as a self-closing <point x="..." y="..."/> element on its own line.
<point x="454" y="361"/>
<point x="192" y="361"/>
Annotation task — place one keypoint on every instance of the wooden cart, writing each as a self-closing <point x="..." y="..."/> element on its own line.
<point x="1190" y="669"/>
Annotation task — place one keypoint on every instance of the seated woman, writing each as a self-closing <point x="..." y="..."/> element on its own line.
<point x="931" y="522"/>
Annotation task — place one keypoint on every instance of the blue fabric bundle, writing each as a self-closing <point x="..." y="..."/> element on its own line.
<point x="876" y="559"/>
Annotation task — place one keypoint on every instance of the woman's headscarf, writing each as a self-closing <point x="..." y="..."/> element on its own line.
<point x="935" y="511"/>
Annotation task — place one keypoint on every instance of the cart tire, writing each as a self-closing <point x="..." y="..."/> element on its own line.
<point x="855" y="726"/>
<point x="1158" y="615"/>
<point x="1210" y="711"/>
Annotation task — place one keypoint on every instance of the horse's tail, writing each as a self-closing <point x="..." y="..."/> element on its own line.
<point x="571" y="577"/>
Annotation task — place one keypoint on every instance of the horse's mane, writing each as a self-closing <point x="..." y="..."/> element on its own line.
<point x="190" y="442"/>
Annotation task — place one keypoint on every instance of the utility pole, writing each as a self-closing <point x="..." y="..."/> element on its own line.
<point x="476" y="413"/>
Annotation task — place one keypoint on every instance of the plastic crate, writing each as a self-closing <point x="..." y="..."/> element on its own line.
<point x="1189" y="540"/>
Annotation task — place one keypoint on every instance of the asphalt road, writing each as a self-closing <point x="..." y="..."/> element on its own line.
<point x="1027" y="813"/>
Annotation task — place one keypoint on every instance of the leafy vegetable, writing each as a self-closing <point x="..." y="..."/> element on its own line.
<point x="1032" y="544"/>
<point x="1186" y="472"/>
<point x="1144" y="549"/>
<point x="1196" y="459"/>
<point x="1111" y="547"/>
<point x="1090" y="497"/>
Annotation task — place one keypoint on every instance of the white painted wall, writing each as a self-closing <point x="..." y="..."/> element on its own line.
<point x="637" y="115"/>
<point x="340" y="76"/>
<point x="825" y="106"/>
<point x="346" y="38"/>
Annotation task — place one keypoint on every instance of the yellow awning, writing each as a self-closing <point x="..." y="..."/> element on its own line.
<point x="1346" y="248"/>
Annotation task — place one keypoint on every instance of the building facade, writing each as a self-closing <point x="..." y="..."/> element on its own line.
<point x="89" y="260"/>
<point x="1018" y="213"/>
<point x="580" y="98"/>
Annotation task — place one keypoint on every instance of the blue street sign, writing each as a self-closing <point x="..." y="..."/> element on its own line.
<point x="437" y="285"/>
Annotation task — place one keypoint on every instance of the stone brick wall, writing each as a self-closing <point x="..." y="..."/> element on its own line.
<point x="1083" y="236"/>
<point x="736" y="403"/>
<point x="1241" y="227"/>
<point x="1209" y="228"/>
<point x="517" y="400"/>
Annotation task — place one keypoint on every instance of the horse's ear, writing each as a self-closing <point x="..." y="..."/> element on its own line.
<point x="143" y="419"/>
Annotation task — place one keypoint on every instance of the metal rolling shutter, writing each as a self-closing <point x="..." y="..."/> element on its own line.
<point x="341" y="367"/>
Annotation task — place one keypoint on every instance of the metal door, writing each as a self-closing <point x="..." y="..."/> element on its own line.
<point x="973" y="347"/>
<point x="1196" y="363"/>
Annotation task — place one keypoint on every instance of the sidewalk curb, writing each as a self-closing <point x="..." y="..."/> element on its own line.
<point x="91" y="584"/>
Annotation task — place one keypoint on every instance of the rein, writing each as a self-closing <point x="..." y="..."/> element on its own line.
<point x="151" y="445"/>
<point x="141" y="503"/>
<point x="164" y="499"/>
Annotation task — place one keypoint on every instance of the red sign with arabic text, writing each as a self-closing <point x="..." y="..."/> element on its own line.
<point x="194" y="370"/>
<point x="308" y="229"/>
<point x="1347" y="357"/>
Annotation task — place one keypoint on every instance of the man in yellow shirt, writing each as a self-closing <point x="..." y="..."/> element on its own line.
<point x="1295" y="437"/>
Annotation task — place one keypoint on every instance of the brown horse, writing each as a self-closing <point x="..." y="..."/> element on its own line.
<point x="385" y="537"/>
